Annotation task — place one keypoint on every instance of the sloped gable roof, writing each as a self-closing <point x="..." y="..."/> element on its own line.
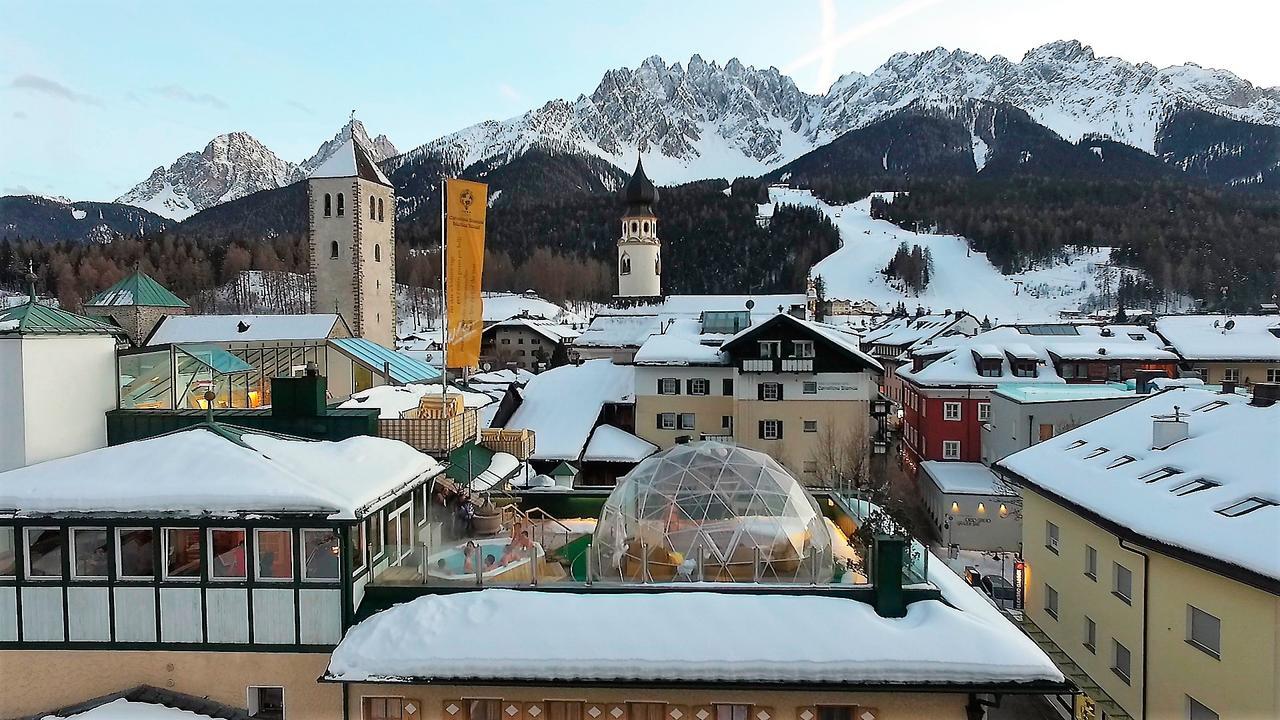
<point x="36" y="319"/>
<point x="138" y="289"/>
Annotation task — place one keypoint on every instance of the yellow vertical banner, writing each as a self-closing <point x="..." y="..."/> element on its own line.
<point x="464" y="265"/>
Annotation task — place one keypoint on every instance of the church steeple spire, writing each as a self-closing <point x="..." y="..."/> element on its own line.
<point x="639" y="250"/>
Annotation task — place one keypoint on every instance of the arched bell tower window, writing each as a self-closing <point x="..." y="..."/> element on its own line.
<point x="377" y="253"/>
<point x="646" y="226"/>
<point x="634" y="227"/>
<point x="624" y="265"/>
<point x="373" y="209"/>
<point x="333" y="250"/>
<point x="328" y="205"/>
<point x="657" y="264"/>
<point x="342" y="203"/>
<point x="381" y="217"/>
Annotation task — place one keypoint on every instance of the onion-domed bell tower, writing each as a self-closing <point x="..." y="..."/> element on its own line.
<point x="639" y="250"/>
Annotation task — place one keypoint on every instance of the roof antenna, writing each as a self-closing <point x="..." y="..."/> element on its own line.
<point x="31" y="280"/>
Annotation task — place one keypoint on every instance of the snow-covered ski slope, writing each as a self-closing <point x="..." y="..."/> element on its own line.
<point x="959" y="279"/>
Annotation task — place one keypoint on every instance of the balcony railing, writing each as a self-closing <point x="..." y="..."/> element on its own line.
<point x="787" y="365"/>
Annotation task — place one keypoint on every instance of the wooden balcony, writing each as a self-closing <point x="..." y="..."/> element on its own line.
<point x="776" y="365"/>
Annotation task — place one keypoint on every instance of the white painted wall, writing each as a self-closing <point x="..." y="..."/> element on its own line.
<point x="13" y="439"/>
<point x="68" y="385"/>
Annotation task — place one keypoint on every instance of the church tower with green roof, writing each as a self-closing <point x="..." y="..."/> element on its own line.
<point x="137" y="304"/>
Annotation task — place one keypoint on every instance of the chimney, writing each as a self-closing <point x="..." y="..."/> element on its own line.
<point x="1168" y="429"/>
<point x="887" y="554"/>
<point x="299" y="396"/>
<point x="1265" y="394"/>
<point x="1228" y="387"/>
<point x="1143" y="378"/>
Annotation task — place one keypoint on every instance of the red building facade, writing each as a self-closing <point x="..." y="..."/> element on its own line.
<point x="943" y="423"/>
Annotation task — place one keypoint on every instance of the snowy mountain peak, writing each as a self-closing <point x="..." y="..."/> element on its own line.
<point x="380" y="148"/>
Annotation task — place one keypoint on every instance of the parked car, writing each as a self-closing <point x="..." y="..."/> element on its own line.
<point x="1000" y="591"/>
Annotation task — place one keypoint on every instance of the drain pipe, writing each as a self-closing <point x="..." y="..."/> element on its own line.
<point x="1146" y="622"/>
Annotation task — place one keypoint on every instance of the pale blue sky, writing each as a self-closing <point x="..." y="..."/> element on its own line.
<point x="94" y="95"/>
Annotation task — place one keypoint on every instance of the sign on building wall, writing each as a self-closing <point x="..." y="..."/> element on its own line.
<point x="464" y="266"/>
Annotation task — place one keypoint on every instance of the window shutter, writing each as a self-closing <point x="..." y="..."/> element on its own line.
<point x="727" y="386"/>
<point x="659" y="386"/>
<point x="688" y="387"/>
<point x="806" y="712"/>
<point x="593" y="710"/>
<point x="617" y="711"/>
<point x="451" y="709"/>
<point x="760" y="429"/>
<point x="779" y="429"/>
<point x="512" y="710"/>
<point x="759" y="391"/>
<point x="703" y="712"/>
<point x="762" y="712"/>
<point x="677" y="712"/>
<point x="780" y="386"/>
<point x="412" y="708"/>
<point x="657" y="423"/>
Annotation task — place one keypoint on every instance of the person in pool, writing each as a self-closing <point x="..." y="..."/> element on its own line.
<point x="470" y="554"/>
<point x="490" y="562"/>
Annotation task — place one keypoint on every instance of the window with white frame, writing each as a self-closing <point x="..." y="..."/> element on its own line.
<point x="135" y="553"/>
<point x="266" y="703"/>
<point x="810" y="387"/>
<point x="770" y="391"/>
<point x="803" y="348"/>
<point x="1121" y="661"/>
<point x="1122" y="586"/>
<point x="770" y="348"/>
<point x="1231" y="375"/>
<point x="668" y="386"/>
<point x="1197" y="710"/>
<point x="770" y="429"/>
<point x="686" y="421"/>
<point x="666" y="421"/>
<point x="984" y="412"/>
<point x="227" y="559"/>
<point x="319" y="555"/>
<point x="44" y="547"/>
<point x="400" y="532"/>
<point x="950" y="411"/>
<point x="1052" y="536"/>
<point x="274" y="549"/>
<point x="1273" y="375"/>
<point x="1204" y="631"/>
<point x="699" y="386"/>
<point x="950" y="449"/>
<point x="182" y="552"/>
<point x="89" y="553"/>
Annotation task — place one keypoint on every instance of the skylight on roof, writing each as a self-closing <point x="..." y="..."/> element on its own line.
<point x="1076" y="444"/>
<point x="1156" y="476"/>
<point x="1211" y="406"/>
<point x="1096" y="453"/>
<point x="1137" y="336"/>
<point x="1122" y="460"/>
<point x="1048" y="330"/>
<point x="1244" y="507"/>
<point x="1194" y="486"/>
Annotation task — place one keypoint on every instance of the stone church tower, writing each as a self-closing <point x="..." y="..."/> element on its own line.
<point x="639" y="250"/>
<point x="351" y="243"/>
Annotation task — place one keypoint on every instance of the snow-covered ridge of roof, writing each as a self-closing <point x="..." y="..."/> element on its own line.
<point x="553" y="331"/>
<point x="228" y="328"/>
<point x="348" y="161"/>
<point x="1110" y="343"/>
<point x="500" y="306"/>
<point x="1206" y="337"/>
<point x="905" y="331"/>
<point x="611" y="444"/>
<point x="562" y="405"/>
<point x="199" y="472"/>
<point x="618" y="331"/>
<point x="393" y="401"/>
<point x="965" y="478"/>
<point x="123" y="709"/>
<point x="680" y="343"/>
<point x="690" y="636"/>
<point x="1230" y="443"/>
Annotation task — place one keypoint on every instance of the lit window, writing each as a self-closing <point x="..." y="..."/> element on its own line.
<point x="1004" y="511"/>
<point x="89" y="553"/>
<point x="182" y="553"/>
<point x="275" y="552"/>
<point x="226" y="551"/>
<point x="1204" y="631"/>
<point x="319" y="555"/>
<point x="982" y="508"/>
<point x="135" y="553"/>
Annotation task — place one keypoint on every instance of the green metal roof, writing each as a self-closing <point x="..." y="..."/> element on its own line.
<point x="36" y="319"/>
<point x="138" y="288"/>
<point x="564" y="469"/>
<point x="404" y="369"/>
<point x="468" y="461"/>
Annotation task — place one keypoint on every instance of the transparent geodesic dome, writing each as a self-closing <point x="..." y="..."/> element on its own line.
<point x="714" y="512"/>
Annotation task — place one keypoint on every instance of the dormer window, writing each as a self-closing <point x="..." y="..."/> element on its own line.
<point x="990" y="368"/>
<point x="1024" y="368"/>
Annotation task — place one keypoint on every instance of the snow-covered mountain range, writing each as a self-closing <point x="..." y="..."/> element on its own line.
<point x="706" y="120"/>
<point x="232" y="166"/>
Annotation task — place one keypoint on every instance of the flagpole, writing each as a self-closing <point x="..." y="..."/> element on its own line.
<point x="444" y="329"/>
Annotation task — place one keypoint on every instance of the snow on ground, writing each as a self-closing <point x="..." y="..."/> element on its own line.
<point x="959" y="279"/>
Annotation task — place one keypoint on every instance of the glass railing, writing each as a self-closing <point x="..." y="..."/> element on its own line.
<point x="915" y="560"/>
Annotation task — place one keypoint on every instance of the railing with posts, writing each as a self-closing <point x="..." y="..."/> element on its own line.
<point x="777" y="364"/>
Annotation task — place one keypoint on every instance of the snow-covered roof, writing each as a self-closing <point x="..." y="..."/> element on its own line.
<point x="123" y="709"/>
<point x="906" y="331"/>
<point x="618" y="331"/>
<point x="964" y="478"/>
<point x="842" y="338"/>
<point x="692" y="636"/>
<point x="553" y="331"/>
<point x="228" y="328"/>
<point x="630" y="326"/>
<point x="1114" y="343"/>
<point x="350" y="160"/>
<point x="501" y="377"/>
<point x="562" y="405"/>
<point x="393" y="401"/>
<point x="612" y="444"/>
<point x="1206" y="337"/>
<point x="499" y="306"/>
<point x="1038" y="393"/>
<point x="1231" y="445"/>
<point x="217" y="471"/>
<point x="681" y="343"/>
